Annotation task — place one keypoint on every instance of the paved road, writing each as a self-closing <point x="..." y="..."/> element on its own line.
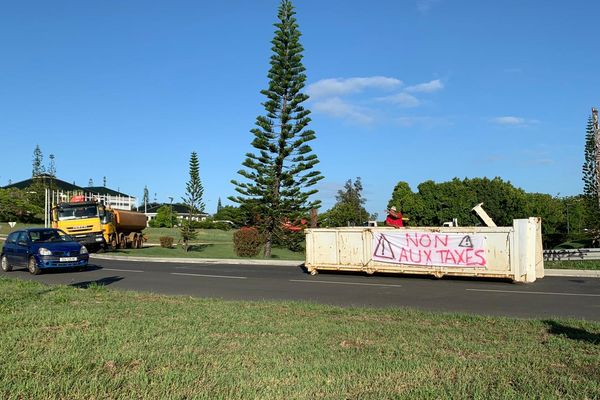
<point x="549" y="297"/>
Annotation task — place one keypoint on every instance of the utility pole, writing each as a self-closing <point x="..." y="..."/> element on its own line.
<point x="597" y="151"/>
<point x="171" y="213"/>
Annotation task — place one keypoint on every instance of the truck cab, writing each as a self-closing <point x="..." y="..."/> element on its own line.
<point x="83" y="221"/>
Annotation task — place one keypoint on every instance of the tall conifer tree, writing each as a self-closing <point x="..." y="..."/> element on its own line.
<point x="193" y="200"/>
<point x="279" y="175"/>
<point x="589" y="163"/>
<point x="37" y="165"/>
<point x="590" y="185"/>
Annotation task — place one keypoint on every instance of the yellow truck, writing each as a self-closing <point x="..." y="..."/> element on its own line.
<point x="98" y="226"/>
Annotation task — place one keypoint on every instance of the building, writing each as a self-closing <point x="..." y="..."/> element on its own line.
<point x="179" y="209"/>
<point x="61" y="191"/>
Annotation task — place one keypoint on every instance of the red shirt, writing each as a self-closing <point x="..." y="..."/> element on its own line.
<point x="394" y="219"/>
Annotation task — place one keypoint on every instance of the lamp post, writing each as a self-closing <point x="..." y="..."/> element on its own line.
<point x="171" y="212"/>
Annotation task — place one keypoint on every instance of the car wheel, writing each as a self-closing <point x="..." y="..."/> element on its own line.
<point x="33" y="267"/>
<point x="6" y="267"/>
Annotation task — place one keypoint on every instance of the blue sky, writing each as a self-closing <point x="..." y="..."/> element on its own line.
<point x="401" y="91"/>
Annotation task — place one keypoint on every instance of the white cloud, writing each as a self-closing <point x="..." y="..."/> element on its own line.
<point x="427" y="122"/>
<point x="427" y="87"/>
<point x="340" y="86"/>
<point x="401" y="99"/>
<point x="509" y="120"/>
<point x="425" y="5"/>
<point x="541" y="161"/>
<point x="336" y="107"/>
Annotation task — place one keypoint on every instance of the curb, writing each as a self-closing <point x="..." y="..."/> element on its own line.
<point x="286" y="263"/>
<point x="577" y="273"/>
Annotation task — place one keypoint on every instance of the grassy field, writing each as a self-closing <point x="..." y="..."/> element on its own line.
<point x="213" y="250"/>
<point x="588" y="265"/>
<point x="204" y="235"/>
<point x="6" y="229"/>
<point x="93" y="343"/>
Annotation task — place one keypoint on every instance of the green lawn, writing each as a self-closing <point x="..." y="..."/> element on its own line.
<point x="93" y="343"/>
<point x="588" y="265"/>
<point x="5" y="229"/>
<point x="204" y="235"/>
<point x="213" y="250"/>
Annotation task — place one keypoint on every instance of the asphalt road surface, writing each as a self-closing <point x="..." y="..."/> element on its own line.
<point x="548" y="297"/>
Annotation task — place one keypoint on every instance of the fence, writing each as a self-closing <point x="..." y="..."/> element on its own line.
<point x="571" y="254"/>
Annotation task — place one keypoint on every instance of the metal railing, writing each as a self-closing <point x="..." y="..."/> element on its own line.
<point x="571" y="254"/>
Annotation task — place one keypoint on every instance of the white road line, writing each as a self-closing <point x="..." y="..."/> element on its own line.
<point x="525" y="292"/>
<point x="343" y="283"/>
<point x="121" y="270"/>
<point x="210" y="276"/>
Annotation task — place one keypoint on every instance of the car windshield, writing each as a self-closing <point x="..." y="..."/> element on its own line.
<point x="77" y="212"/>
<point x="50" y="235"/>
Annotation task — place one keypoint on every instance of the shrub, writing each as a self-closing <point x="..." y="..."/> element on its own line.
<point x="166" y="242"/>
<point x="247" y="242"/>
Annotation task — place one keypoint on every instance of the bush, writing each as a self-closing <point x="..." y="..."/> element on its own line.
<point x="247" y="242"/>
<point x="166" y="242"/>
<point x="557" y="240"/>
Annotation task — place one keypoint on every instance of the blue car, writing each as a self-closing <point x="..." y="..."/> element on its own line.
<point x="42" y="248"/>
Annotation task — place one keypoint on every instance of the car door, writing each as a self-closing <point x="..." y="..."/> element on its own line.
<point x="21" y="252"/>
<point x="9" y="247"/>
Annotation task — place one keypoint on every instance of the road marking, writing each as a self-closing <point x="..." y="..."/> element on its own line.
<point x="525" y="292"/>
<point x="122" y="270"/>
<point x="210" y="276"/>
<point x="344" y="283"/>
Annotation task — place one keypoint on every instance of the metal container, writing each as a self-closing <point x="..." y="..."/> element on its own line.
<point x="129" y="221"/>
<point x="495" y="252"/>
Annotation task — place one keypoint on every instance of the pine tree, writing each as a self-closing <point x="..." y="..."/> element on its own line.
<point x="590" y="194"/>
<point x="589" y="164"/>
<point x="193" y="201"/>
<point x="38" y="162"/>
<point x="90" y="182"/>
<point x="104" y="181"/>
<point x="279" y="175"/>
<point x="52" y="166"/>
<point x="219" y="205"/>
<point x="146" y="198"/>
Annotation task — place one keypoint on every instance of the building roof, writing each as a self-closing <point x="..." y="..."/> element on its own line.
<point x="59" y="184"/>
<point x="104" y="191"/>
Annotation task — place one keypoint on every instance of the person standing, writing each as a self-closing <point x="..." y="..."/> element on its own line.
<point x="394" y="218"/>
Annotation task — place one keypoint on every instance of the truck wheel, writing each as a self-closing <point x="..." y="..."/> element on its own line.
<point x="113" y="242"/>
<point x="33" y="267"/>
<point x="6" y="267"/>
<point x="134" y="243"/>
<point x="140" y="242"/>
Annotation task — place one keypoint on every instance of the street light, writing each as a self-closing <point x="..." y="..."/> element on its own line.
<point x="171" y="213"/>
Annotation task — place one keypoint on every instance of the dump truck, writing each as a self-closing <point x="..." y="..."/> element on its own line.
<point x="98" y="226"/>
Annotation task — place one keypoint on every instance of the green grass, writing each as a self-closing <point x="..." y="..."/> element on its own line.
<point x="216" y="250"/>
<point x="5" y="229"/>
<point x="66" y="343"/>
<point x="204" y="235"/>
<point x="587" y="265"/>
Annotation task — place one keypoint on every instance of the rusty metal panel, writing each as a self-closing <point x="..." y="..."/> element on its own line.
<point x="350" y="247"/>
<point x="325" y="246"/>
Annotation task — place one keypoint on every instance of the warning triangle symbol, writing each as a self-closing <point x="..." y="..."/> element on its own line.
<point x="384" y="248"/>
<point x="466" y="242"/>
